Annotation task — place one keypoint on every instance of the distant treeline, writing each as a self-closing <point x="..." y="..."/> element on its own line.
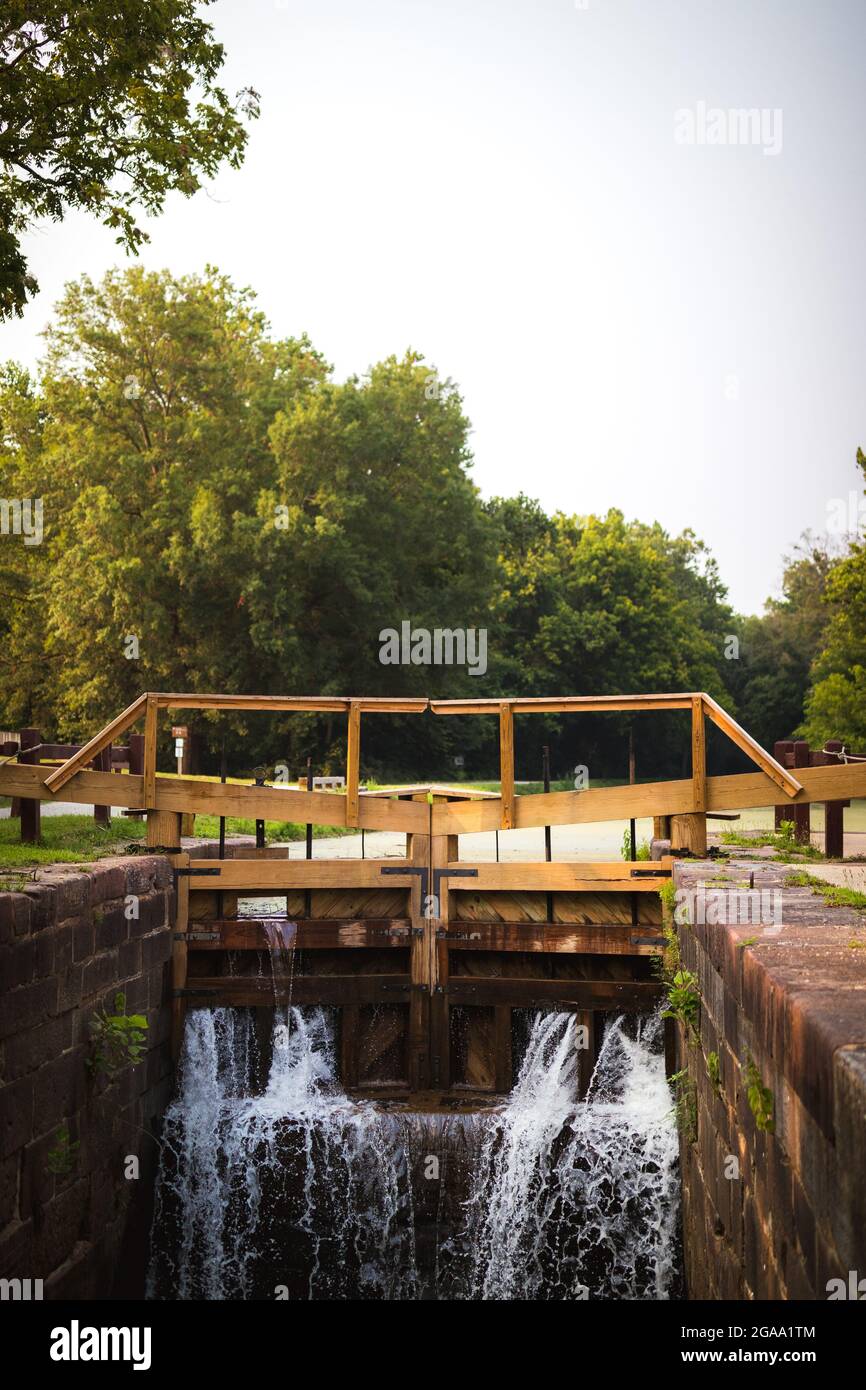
<point x="220" y="515"/>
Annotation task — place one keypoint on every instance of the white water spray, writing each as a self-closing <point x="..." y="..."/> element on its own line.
<point x="300" y="1191"/>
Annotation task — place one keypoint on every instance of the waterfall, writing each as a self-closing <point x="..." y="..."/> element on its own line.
<point x="275" y="1184"/>
<point x="578" y="1199"/>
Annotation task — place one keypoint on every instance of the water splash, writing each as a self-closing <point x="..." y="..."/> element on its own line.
<point x="578" y="1199"/>
<point x="296" y="1192"/>
<point x="287" y="1188"/>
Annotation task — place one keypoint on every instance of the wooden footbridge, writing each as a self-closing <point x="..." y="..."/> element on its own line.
<point x="426" y="957"/>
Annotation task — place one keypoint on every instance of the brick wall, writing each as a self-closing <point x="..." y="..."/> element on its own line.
<point x="790" y="1214"/>
<point x="68" y="943"/>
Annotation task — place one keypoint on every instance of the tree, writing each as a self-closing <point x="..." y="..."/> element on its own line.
<point x="149" y="436"/>
<point x="596" y="605"/>
<point x="836" y="704"/>
<point x="108" y="108"/>
<point x="770" y="677"/>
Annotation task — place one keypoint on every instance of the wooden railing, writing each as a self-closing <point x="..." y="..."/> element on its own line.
<point x="686" y="801"/>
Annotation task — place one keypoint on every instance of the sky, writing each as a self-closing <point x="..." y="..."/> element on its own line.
<point x="646" y="305"/>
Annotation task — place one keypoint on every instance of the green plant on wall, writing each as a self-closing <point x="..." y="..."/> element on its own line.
<point x="685" y="1104"/>
<point x="62" y="1158"/>
<point x="117" y="1039"/>
<point x="684" y="1000"/>
<point x="714" y="1069"/>
<point x="759" y="1096"/>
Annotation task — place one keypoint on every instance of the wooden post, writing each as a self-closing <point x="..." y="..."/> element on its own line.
<point x="31" y="810"/>
<point x="150" y="713"/>
<point x="783" y="752"/>
<point x="502" y="1051"/>
<point x="689" y="832"/>
<point x="353" y="763"/>
<point x="802" y="825"/>
<point x="102" y="763"/>
<point x="506" y="764"/>
<point x="834" y="824"/>
<point x="420" y="956"/>
<point x="179" y="956"/>
<point x="350" y="1041"/>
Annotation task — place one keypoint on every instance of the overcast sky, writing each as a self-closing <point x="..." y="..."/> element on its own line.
<point x="635" y="321"/>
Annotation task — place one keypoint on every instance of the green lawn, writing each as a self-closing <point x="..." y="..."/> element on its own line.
<point x="76" y="839"/>
<point x="66" y="840"/>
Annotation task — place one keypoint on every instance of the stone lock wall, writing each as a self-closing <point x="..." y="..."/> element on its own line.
<point x="789" y="1215"/>
<point x="69" y="942"/>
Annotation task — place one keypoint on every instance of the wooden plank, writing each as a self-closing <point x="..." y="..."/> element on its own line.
<point x="506" y="766"/>
<point x="150" y="726"/>
<point x="594" y="938"/>
<point x="307" y="934"/>
<point x="699" y="756"/>
<point x="179" y="958"/>
<point x="350" y="1040"/>
<point x="765" y="761"/>
<point x="571" y="878"/>
<point x="562" y="704"/>
<point x="266" y="874"/>
<point x="733" y="792"/>
<point x="576" y="994"/>
<point x="418" y="1034"/>
<point x="502" y="1052"/>
<point x="353" y="763"/>
<point x="321" y="704"/>
<point x="213" y="991"/>
<point x="61" y="775"/>
<point x="284" y="804"/>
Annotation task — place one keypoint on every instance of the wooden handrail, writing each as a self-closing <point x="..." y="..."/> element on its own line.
<point x="780" y="775"/>
<point x="62" y="774"/>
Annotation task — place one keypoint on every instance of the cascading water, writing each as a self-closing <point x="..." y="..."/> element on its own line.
<point x="578" y="1200"/>
<point x="292" y="1189"/>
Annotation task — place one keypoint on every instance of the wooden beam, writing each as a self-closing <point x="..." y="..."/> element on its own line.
<point x="353" y="763"/>
<point x="303" y="934"/>
<point x="321" y="704"/>
<point x="150" y="714"/>
<point x="574" y="877"/>
<point x="264" y="875"/>
<point x="506" y="765"/>
<point x="699" y="756"/>
<point x="179" y="958"/>
<point x="597" y="939"/>
<point x="263" y="991"/>
<point x="61" y="775"/>
<point x="574" y="994"/>
<point x="780" y="775"/>
<point x="564" y="703"/>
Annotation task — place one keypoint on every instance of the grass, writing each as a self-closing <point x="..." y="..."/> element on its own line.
<point x="781" y="840"/>
<point x="832" y="893"/>
<point x="76" y="839"/>
<point x="66" y="840"/>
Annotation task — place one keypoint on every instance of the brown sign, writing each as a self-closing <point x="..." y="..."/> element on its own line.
<point x="180" y="731"/>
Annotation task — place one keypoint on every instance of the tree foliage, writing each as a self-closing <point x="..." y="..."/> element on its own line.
<point x="108" y="108"/>
<point x="212" y="493"/>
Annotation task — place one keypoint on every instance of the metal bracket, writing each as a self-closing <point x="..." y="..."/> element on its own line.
<point x="197" y="936"/>
<point x="419" y="870"/>
<point x="651" y="873"/>
<point x="198" y="873"/>
<point x="190" y="993"/>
